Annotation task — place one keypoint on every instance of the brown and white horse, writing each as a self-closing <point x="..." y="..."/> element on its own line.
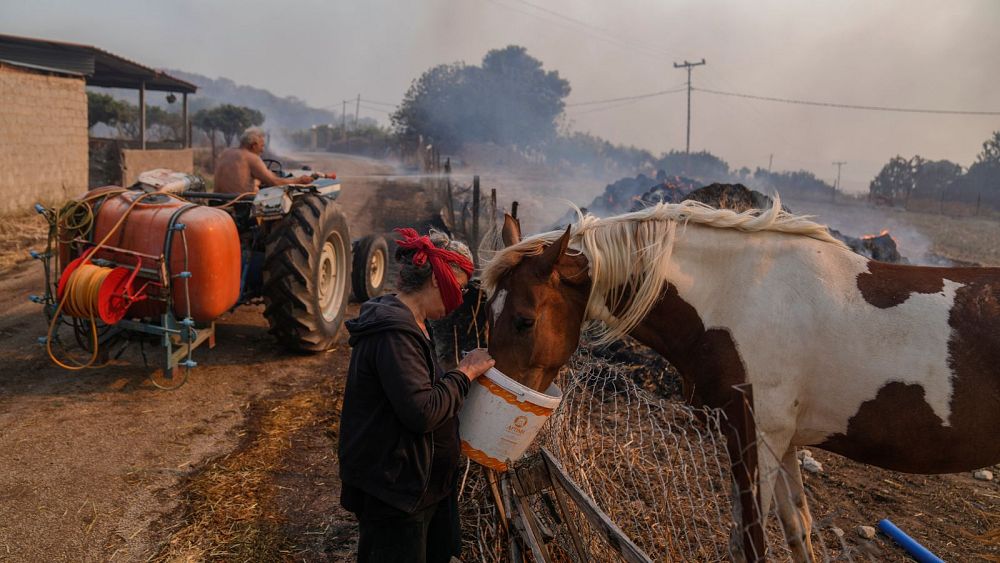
<point x="895" y="366"/>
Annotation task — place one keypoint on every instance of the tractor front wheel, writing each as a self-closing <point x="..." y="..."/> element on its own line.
<point x="307" y="269"/>
<point x="371" y="260"/>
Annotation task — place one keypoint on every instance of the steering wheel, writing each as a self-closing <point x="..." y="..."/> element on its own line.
<point x="274" y="166"/>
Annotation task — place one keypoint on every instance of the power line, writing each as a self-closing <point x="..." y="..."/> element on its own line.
<point x="627" y="98"/>
<point x="605" y="108"/>
<point x="643" y="46"/>
<point x="847" y="106"/>
<point x="584" y="28"/>
<point x="379" y="103"/>
<point x="370" y="108"/>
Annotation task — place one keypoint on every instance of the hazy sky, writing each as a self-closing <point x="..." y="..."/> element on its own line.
<point x="905" y="53"/>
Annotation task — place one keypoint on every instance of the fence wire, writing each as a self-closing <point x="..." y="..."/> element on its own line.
<point x="657" y="467"/>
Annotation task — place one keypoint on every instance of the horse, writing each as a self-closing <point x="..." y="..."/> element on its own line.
<point x="896" y="366"/>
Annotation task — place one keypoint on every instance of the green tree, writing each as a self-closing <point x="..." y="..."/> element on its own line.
<point x="228" y="120"/>
<point x="115" y="113"/>
<point x="509" y="100"/>
<point x="894" y="182"/>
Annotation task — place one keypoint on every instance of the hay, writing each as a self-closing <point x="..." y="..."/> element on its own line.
<point x="18" y="235"/>
<point x="229" y="514"/>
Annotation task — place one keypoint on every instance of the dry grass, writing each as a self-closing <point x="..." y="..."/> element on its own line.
<point x="18" y="235"/>
<point x="961" y="238"/>
<point x="230" y="514"/>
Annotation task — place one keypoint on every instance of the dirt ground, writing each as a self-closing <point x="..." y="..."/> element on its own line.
<point x="239" y="464"/>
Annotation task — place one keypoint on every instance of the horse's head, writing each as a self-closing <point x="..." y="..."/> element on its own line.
<point x="537" y="310"/>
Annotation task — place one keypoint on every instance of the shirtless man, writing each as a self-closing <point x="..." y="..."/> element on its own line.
<point x="239" y="167"/>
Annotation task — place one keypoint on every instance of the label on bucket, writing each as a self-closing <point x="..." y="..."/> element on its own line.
<point x="496" y="425"/>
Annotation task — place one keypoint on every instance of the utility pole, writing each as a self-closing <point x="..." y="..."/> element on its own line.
<point x="689" y="66"/>
<point x="343" y="121"/>
<point x="357" y="109"/>
<point x="770" y="160"/>
<point x="836" y="186"/>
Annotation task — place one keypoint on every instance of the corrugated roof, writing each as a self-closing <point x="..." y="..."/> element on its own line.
<point x="99" y="67"/>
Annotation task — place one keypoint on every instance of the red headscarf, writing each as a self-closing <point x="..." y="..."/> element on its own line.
<point x="441" y="261"/>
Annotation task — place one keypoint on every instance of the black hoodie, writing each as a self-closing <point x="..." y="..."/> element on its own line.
<point x="398" y="426"/>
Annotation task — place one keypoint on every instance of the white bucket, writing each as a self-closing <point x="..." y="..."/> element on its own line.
<point x="501" y="417"/>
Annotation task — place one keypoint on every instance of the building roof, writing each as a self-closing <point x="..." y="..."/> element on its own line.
<point x="97" y="66"/>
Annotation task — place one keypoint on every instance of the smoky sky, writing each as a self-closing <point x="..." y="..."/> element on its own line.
<point x="902" y="53"/>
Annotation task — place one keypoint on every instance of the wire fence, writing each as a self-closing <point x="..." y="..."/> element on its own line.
<point x="658" y="468"/>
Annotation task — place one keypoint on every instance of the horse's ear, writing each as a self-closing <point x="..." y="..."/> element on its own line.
<point x="546" y="261"/>
<point x="511" y="232"/>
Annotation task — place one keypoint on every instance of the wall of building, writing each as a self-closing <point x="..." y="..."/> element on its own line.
<point x="43" y="138"/>
<point x="135" y="162"/>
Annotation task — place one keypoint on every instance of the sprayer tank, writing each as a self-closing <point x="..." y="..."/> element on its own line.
<point x="208" y="246"/>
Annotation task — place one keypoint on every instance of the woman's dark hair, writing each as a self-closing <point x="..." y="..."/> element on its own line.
<point x="411" y="277"/>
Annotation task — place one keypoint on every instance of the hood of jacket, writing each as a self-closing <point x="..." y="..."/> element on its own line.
<point x="383" y="313"/>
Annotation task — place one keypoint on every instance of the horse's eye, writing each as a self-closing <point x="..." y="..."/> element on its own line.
<point x="523" y="323"/>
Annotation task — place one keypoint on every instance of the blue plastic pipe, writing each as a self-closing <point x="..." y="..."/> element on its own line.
<point x="910" y="545"/>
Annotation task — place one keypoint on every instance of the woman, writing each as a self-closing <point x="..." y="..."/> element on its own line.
<point x="399" y="444"/>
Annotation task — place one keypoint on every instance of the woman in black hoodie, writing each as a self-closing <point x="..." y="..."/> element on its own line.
<point x="399" y="443"/>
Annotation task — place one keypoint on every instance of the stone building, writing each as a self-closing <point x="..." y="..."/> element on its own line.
<point x="44" y="143"/>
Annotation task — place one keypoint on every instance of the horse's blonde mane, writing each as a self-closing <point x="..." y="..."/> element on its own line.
<point x="629" y="254"/>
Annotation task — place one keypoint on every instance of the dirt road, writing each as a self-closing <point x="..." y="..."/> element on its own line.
<point x="239" y="463"/>
<point x="92" y="463"/>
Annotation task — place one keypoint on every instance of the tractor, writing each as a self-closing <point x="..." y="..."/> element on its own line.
<point x="162" y="259"/>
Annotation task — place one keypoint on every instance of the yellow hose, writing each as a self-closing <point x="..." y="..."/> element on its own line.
<point x="82" y="288"/>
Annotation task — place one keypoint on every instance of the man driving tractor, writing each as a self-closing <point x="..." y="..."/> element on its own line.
<point x="239" y="169"/>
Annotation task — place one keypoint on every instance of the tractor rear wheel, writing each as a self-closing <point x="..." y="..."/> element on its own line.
<point x="368" y="273"/>
<point x="307" y="268"/>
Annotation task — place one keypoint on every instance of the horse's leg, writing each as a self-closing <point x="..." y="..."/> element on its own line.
<point x="793" y="508"/>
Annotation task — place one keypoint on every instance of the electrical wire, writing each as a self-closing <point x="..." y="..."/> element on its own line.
<point x="573" y="24"/>
<point x="378" y="103"/>
<point x="626" y="98"/>
<point x="845" y="106"/>
<point x="584" y="28"/>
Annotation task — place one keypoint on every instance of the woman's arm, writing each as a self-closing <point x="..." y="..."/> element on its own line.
<point x="420" y="405"/>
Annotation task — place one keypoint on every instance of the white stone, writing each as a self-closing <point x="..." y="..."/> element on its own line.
<point x="811" y="465"/>
<point x="837" y="532"/>
<point x="983" y="475"/>
<point x="804" y="453"/>
<point x="866" y="532"/>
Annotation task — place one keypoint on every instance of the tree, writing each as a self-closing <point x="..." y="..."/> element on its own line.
<point x="115" y="113"/>
<point x="982" y="182"/>
<point x="800" y="183"/>
<point x="893" y="183"/>
<point x="234" y="120"/>
<point x="509" y="100"/>
<point x="933" y="178"/>
<point x="991" y="151"/>
<point x="227" y="119"/>
<point x="702" y="165"/>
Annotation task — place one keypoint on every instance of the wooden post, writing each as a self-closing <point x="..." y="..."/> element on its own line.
<point x="142" y="114"/>
<point x="184" y="119"/>
<point x="604" y="526"/>
<point x="513" y="210"/>
<point x="526" y="521"/>
<point x="493" y="208"/>
<point x="741" y="444"/>
<point x="474" y="235"/>
<point x="450" y="194"/>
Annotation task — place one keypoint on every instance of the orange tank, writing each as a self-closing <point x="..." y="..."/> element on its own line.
<point x="213" y="250"/>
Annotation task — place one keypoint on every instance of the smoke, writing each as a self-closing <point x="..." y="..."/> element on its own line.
<point x="859" y="220"/>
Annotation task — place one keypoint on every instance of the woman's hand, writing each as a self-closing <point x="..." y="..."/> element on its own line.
<point x="476" y="363"/>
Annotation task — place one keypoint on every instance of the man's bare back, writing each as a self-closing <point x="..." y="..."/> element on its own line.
<point x="239" y="169"/>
